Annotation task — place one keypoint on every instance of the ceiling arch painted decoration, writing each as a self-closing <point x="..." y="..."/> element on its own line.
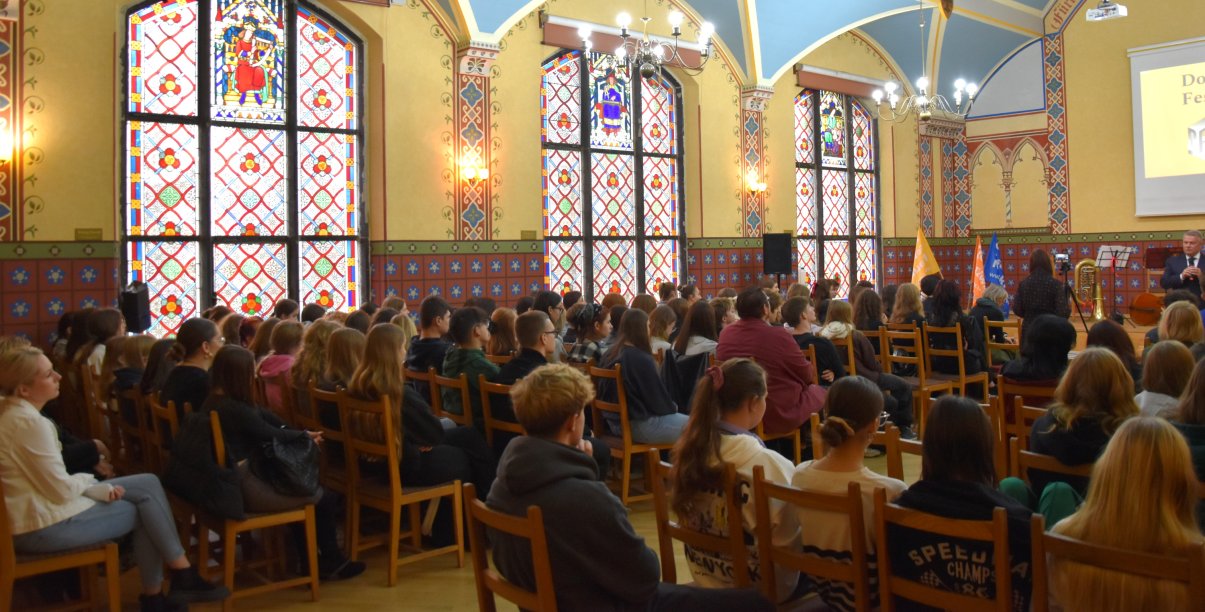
<point x="766" y="38"/>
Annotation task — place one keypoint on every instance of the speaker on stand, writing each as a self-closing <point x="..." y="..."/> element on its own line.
<point x="776" y="255"/>
<point x="135" y="306"/>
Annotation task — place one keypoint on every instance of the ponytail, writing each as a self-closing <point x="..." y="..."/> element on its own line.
<point x="193" y="333"/>
<point x="850" y="405"/>
<point x="696" y="456"/>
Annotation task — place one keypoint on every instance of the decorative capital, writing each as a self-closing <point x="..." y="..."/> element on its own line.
<point x="945" y="129"/>
<point x="476" y="58"/>
<point x="756" y="98"/>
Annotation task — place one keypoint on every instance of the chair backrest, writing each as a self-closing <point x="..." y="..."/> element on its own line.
<point x="582" y="366"/>
<point x="370" y="434"/>
<point x="1186" y="566"/>
<point x="499" y="359"/>
<point x="895" y="351"/>
<point x="165" y="424"/>
<point x="845" y="345"/>
<point x="896" y="447"/>
<point x="810" y="353"/>
<point x="489" y="581"/>
<point x="994" y="531"/>
<point x="931" y="351"/>
<point x="428" y="381"/>
<point x="619" y="408"/>
<point x="219" y="441"/>
<point x="94" y="404"/>
<point x="1022" y="461"/>
<point x="8" y="551"/>
<point x="492" y="423"/>
<point x="989" y="325"/>
<point x="1023" y="420"/>
<point x="458" y="384"/>
<point x="1007" y="390"/>
<point x="308" y="418"/>
<point x="770" y="556"/>
<point x="334" y="438"/>
<point x="731" y="542"/>
<point x="876" y="337"/>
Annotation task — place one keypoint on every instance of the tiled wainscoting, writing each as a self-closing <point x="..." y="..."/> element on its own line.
<point x="39" y="281"/>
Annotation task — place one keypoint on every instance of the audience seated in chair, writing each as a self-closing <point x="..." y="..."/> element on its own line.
<point x="286" y="343"/>
<point x="728" y="403"/>
<point x="1189" y="418"/>
<point x="598" y="560"/>
<point x="1169" y="365"/>
<point x="470" y="332"/>
<point x="1044" y="349"/>
<point x="434" y="320"/>
<point x="851" y="418"/>
<point x="311" y="361"/>
<point x="188" y="382"/>
<point x="698" y="333"/>
<point x="653" y="413"/>
<point x="800" y="318"/>
<point x="1111" y="335"/>
<point x="898" y="404"/>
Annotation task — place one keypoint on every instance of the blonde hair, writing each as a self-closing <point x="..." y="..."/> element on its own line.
<point x="409" y="329"/>
<point x="1140" y="498"/>
<point x="995" y="293"/>
<point x="18" y="366"/>
<point x="549" y="396"/>
<point x="379" y="375"/>
<point x="312" y="359"/>
<point x="1095" y="386"/>
<point x="662" y="321"/>
<point x="907" y="301"/>
<point x="342" y="356"/>
<point x="1182" y="321"/>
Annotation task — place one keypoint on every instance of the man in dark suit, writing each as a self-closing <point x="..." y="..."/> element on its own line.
<point x="1183" y="271"/>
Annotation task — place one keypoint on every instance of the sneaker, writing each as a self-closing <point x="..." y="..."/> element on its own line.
<point x="340" y="569"/>
<point x="872" y="452"/>
<point x="159" y="603"/>
<point x="906" y="433"/>
<point x="189" y="587"/>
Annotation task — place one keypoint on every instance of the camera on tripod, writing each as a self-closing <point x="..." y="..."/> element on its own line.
<point x="1062" y="262"/>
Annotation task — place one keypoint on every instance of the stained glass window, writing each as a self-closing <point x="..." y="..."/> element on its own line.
<point x="837" y="215"/>
<point x="612" y="176"/>
<point x="249" y="172"/>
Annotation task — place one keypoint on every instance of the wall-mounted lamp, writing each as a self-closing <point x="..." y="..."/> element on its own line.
<point x="753" y="183"/>
<point x="473" y="172"/>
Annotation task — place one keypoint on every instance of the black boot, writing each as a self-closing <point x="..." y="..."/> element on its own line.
<point x="189" y="587"/>
<point x="159" y="603"/>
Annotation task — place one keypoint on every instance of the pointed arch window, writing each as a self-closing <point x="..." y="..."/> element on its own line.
<point x="242" y="149"/>
<point x="836" y="188"/>
<point x="612" y="176"/>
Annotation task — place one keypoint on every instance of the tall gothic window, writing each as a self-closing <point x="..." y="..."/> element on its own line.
<point x="612" y="179"/>
<point x="242" y="156"/>
<point x="837" y="213"/>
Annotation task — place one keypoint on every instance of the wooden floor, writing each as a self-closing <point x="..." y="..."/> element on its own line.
<point x="434" y="585"/>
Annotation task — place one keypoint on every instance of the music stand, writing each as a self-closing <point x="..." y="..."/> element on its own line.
<point x="1113" y="257"/>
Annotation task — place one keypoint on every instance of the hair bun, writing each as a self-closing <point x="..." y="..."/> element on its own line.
<point x="835" y="431"/>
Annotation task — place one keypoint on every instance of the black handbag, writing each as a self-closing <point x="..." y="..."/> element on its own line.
<point x="289" y="465"/>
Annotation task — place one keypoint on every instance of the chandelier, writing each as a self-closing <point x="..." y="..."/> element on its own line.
<point x="652" y="54"/>
<point x="924" y="104"/>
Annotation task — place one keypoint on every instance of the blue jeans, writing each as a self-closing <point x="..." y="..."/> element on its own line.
<point x="143" y="510"/>
<point x="659" y="429"/>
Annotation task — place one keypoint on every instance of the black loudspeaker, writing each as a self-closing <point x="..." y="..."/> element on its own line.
<point x="135" y="305"/>
<point x="776" y="253"/>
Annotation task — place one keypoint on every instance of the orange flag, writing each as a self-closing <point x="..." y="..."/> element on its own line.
<point x="924" y="262"/>
<point x="978" y="278"/>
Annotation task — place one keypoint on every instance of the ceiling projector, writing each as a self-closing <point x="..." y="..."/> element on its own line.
<point x="1107" y="10"/>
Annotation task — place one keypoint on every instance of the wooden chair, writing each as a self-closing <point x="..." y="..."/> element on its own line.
<point x="229" y="529"/>
<point x="794" y="435"/>
<point x="96" y="409"/>
<point x="492" y="424"/>
<point x="372" y="436"/>
<point x="994" y="531"/>
<point x="729" y="542"/>
<point x="1005" y="326"/>
<point x="132" y="455"/>
<point x="1022" y="461"/>
<point x="165" y="426"/>
<point x="489" y="581"/>
<point x="896" y="449"/>
<point x="1186" y="566"/>
<point x="500" y="360"/>
<point x="428" y="381"/>
<point x="923" y="387"/>
<point x="622" y="446"/>
<point x="770" y="556"/>
<point x="1025" y="417"/>
<point x="14" y="566"/>
<point x="332" y="464"/>
<point x="583" y="367"/>
<point x="810" y="354"/>
<point x="846" y="346"/>
<point x="1007" y="392"/>
<point x="459" y="384"/>
<point x="962" y="379"/>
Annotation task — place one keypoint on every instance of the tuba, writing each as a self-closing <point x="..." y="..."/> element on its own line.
<point x="1088" y="290"/>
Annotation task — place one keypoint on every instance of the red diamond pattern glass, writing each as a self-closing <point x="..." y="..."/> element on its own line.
<point x="326" y="74"/>
<point x="161" y="177"/>
<point x="250" y="278"/>
<point x="660" y="263"/>
<point x="836" y="265"/>
<point x="561" y="100"/>
<point x="836" y="203"/>
<point x="864" y="208"/>
<point x="808" y="260"/>
<point x="862" y="136"/>
<point x="326" y="268"/>
<point x="562" y="193"/>
<point x="660" y="196"/>
<point x="563" y="266"/>
<point x="613" y="200"/>
<point x="610" y="103"/>
<point x="805" y="202"/>
<point x="832" y="130"/>
<point x="170" y="271"/>
<point x="162" y="47"/>
<point x="658" y="116"/>
<point x="328" y="180"/>
<point x="804" y="128"/>
<point x="250" y="183"/>
<point x="614" y="268"/>
<point x="866" y="261"/>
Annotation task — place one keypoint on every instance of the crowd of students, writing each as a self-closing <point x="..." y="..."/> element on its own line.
<point x="700" y="374"/>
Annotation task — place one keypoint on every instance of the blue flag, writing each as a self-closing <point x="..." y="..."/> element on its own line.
<point x="993" y="267"/>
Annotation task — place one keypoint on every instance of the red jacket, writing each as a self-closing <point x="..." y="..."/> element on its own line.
<point x="792" y="392"/>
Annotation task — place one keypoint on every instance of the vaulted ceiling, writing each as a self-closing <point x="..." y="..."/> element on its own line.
<point x="767" y="37"/>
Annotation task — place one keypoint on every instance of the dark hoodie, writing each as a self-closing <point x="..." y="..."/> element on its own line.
<point x="605" y="567"/>
<point x="473" y="363"/>
<point x="954" y="564"/>
<point x="1079" y="445"/>
<point x="986" y="308"/>
<point x="427" y="353"/>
